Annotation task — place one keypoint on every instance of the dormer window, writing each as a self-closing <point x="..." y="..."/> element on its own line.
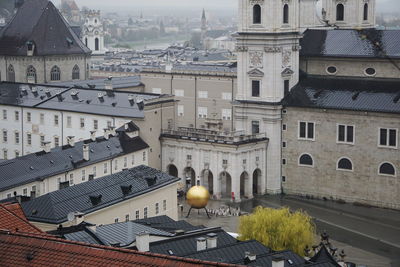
<point x="30" y="48"/>
<point x="256" y="14"/>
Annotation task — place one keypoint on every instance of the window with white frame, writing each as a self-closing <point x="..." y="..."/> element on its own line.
<point x="116" y="220"/>
<point x="156" y="90"/>
<point x="137" y="215"/>
<point x="227" y="96"/>
<point x="25" y="191"/>
<point x="41" y="118"/>
<point x="105" y="168"/>
<point x="82" y="123"/>
<point x="255" y="127"/>
<point x="202" y="112"/>
<point x="164" y="205"/>
<point x="133" y="159"/>
<point x="4" y="114"/>
<point x="71" y="179"/>
<point x="5" y="136"/>
<point x="306" y="130"/>
<point x="144" y="155"/>
<point x="41" y="140"/>
<point x="387" y="168"/>
<point x="179" y="92"/>
<point x="306" y="160"/>
<point x="145" y="212"/>
<point x="29" y="139"/>
<point x="109" y="124"/>
<point x="345" y="133"/>
<point x="255" y="88"/>
<point x="388" y="137"/>
<point x="95" y="124"/>
<point x="69" y="121"/>
<point x="17" y="153"/>
<point x="345" y="164"/>
<point x="181" y="110"/>
<point x="94" y="171"/>
<point x="125" y="162"/>
<point x="5" y="154"/>
<point x="226" y="114"/>
<point x="56" y="120"/>
<point x="157" y="208"/>
<point x="16" y="115"/>
<point x="83" y="176"/>
<point x="28" y="117"/>
<point x="56" y="141"/>
<point x="16" y="136"/>
<point x="127" y="218"/>
<point x="203" y="94"/>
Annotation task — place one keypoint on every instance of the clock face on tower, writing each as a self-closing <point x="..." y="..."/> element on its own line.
<point x="256" y="59"/>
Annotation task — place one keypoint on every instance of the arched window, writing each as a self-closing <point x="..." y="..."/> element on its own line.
<point x="286" y="14"/>
<point x="256" y="14"/>
<point x="31" y="74"/>
<point x="306" y="160"/>
<point x="345" y="164"/>
<point x="10" y="73"/>
<point x="55" y="74"/>
<point x="387" y="169"/>
<point x="75" y="73"/>
<point x="340" y="12"/>
<point x="96" y="44"/>
<point x="365" y="11"/>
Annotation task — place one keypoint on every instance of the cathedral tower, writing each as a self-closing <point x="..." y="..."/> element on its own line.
<point x="203" y="27"/>
<point x="93" y="32"/>
<point x="268" y="64"/>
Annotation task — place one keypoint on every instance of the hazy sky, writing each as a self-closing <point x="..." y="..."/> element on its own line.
<point x="387" y="5"/>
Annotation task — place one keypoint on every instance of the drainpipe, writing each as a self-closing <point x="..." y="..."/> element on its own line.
<point x="195" y="102"/>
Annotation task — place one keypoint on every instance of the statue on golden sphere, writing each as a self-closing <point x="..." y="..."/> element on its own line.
<point x="197" y="197"/>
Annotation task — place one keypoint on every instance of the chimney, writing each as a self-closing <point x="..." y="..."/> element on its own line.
<point x="93" y="136"/>
<point x="168" y="67"/>
<point x="86" y="152"/>
<point x="201" y="244"/>
<point x="249" y="257"/>
<point x="212" y="240"/>
<point x="143" y="241"/>
<point x="108" y="85"/>
<point x="106" y="133"/>
<point x="71" y="140"/>
<point x="47" y="147"/>
<point x="278" y="261"/>
<point x="112" y="131"/>
<point x="79" y="218"/>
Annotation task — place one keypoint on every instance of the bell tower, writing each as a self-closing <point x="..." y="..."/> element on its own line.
<point x="268" y="66"/>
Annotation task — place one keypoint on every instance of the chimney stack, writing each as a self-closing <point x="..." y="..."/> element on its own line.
<point x="106" y="133"/>
<point x="93" y="136"/>
<point x="112" y="131"/>
<point x="47" y="147"/>
<point x="71" y="140"/>
<point x="212" y="240"/>
<point x="86" y="152"/>
<point x="108" y="85"/>
<point x="143" y="241"/>
<point x="249" y="257"/>
<point x="201" y="244"/>
<point x="278" y="261"/>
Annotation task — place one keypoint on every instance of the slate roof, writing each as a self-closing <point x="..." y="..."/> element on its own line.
<point x="40" y="165"/>
<point x="55" y="206"/>
<point x="167" y="224"/>
<point x="13" y="218"/>
<point x="117" y="82"/>
<point x="346" y="94"/>
<point x="112" y="103"/>
<point x="18" y="249"/>
<point x="40" y="22"/>
<point x="366" y="43"/>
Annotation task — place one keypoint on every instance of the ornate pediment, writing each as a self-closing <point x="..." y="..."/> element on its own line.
<point x="287" y="72"/>
<point x="255" y="73"/>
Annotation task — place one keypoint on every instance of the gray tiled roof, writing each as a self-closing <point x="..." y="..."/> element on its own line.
<point x="117" y="82"/>
<point x="31" y="24"/>
<point x="369" y="43"/>
<point x="165" y="223"/>
<point x="346" y="94"/>
<point x="125" y="233"/>
<point x="38" y="166"/>
<point x="113" y="103"/>
<point x="83" y="236"/>
<point x="55" y="206"/>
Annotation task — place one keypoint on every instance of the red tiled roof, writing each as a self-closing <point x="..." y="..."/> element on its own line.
<point x="33" y="250"/>
<point x="12" y="218"/>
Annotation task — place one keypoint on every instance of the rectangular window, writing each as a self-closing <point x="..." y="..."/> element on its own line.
<point x="133" y="160"/>
<point x="29" y="139"/>
<point x="4" y="114"/>
<point x="226" y="114"/>
<point x="69" y="121"/>
<point x="179" y="92"/>
<point x="105" y="168"/>
<point x="109" y="124"/>
<point x="202" y="112"/>
<point x="71" y="179"/>
<point x="156" y="90"/>
<point x="345" y="133"/>
<point x="16" y="137"/>
<point x="224" y="162"/>
<point x="227" y="96"/>
<point x="157" y="208"/>
<point x="388" y="137"/>
<point x="116" y="164"/>
<point x="125" y="162"/>
<point x="127" y="217"/>
<point x="25" y="191"/>
<point x="41" y="118"/>
<point x="181" y="110"/>
<point x="5" y="154"/>
<point x="255" y="88"/>
<point x="255" y="127"/>
<point x="306" y="130"/>
<point x="286" y="85"/>
<point x="188" y="157"/>
<point x="145" y="212"/>
<point x="16" y="115"/>
<point x="137" y="215"/>
<point x="16" y="153"/>
<point x="56" y="141"/>
<point x="284" y="127"/>
<point x="9" y="195"/>
<point x="83" y="175"/>
<point x="144" y="156"/>
<point x="56" y="120"/>
<point x="94" y="171"/>
<point x="95" y="124"/>
<point x="28" y="117"/>
<point x="116" y="220"/>
<point x="203" y="94"/>
<point x="82" y="123"/>
<point x="42" y="140"/>
<point x="164" y="205"/>
<point x="5" y="136"/>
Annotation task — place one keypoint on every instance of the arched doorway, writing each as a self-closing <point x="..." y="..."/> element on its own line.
<point x="244" y="180"/>
<point x="257" y="182"/>
<point x="190" y="176"/>
<point x="172" y="170"/>
<point x="207" y="180"/>
<point x="226" y="185"/>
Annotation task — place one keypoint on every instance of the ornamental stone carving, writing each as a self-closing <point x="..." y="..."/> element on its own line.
<point x="296" y="48"/>
<point x="256" y="59"/>
<point x="241" y="48"/>
<point x="274" y="49"/>
<point x="286" y="58"/>
<point x="256" y="2"/>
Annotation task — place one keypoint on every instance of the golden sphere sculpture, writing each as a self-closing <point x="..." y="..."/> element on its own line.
<point x="197" y="197"/>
